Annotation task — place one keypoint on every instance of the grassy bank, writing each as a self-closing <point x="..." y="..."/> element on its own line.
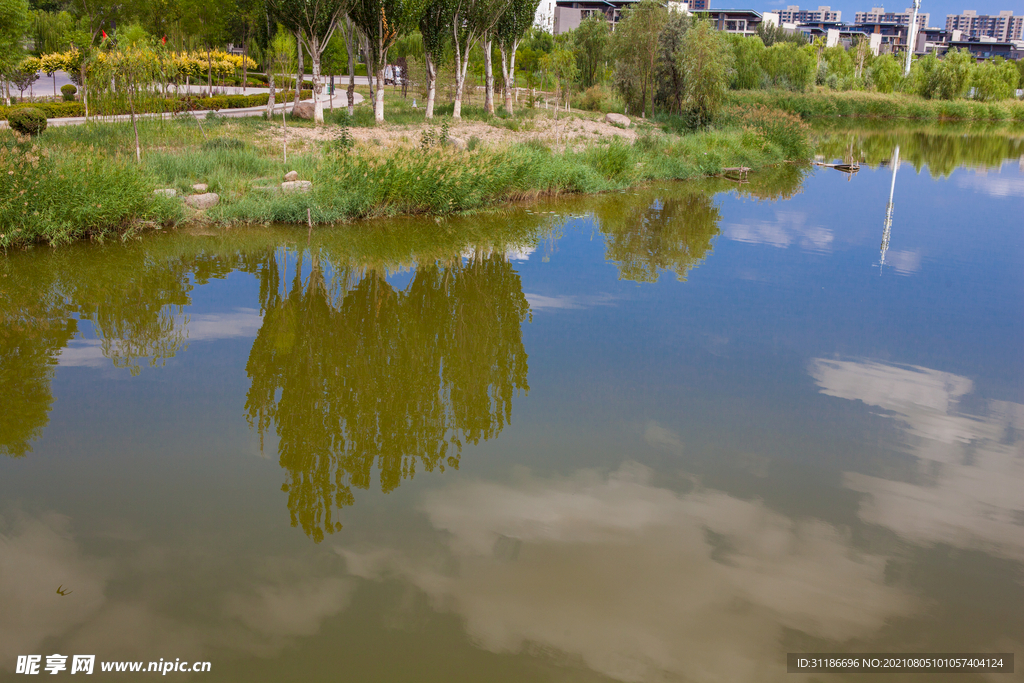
<point x="819" y="104"/>
<point x="82" y="181"/>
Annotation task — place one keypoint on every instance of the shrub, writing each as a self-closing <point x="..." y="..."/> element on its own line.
<point x="27" y="121"/>
<point x="68" y="91"/>
<point x="783" y="130"/>
<point x="598" y="98"/>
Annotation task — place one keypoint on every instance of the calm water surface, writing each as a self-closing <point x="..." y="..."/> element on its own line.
<point x="666" y="435"/>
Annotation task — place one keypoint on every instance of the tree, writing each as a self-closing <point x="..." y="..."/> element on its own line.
<point x="133" y="66"/>
<point x="382" y="22"/>
<point x="670" y="91"/>
<point x="886" y="73"/>
<point x="590" y="43"/>
<point x="994" y="81"/>
<point x="473" y="20"/>
<point x="14" y="22"/>
<point x="314" y="22"/>
<point x="513" y="24"/>
<point x="747" y="55"/>
<point x="435" y="27"/>
<point x="280" y="62"/>
<point x="636" y="51"/>
<point x="704" y="60"/>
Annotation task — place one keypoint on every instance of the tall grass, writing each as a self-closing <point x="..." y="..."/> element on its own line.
<point x="877" y="105"/>
<point x="77" y="182"/>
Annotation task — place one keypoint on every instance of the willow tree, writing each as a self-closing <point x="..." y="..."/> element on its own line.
<point x="435" y="27"/>
<point x="383" y="22"/>
<point x="14" y="22"/>
<point x="314" y="22"/>
<point x="637" y="42"/>
<point x="473" y="19"/>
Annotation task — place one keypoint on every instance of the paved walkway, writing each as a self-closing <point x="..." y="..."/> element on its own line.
<point x="340" y="101"/>
<point x="45" y="86"/>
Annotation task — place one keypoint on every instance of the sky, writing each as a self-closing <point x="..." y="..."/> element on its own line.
<point x="937" y="8"/>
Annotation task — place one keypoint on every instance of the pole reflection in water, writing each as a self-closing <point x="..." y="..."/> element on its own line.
<point x="887" y="227"/>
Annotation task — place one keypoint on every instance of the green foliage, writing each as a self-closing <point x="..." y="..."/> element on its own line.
<point x="946" y="79"/>
<point x="27" y="121"/>
<point x="771" y="34"/>
<point x="875" y="105"/>
<point x="781" y="129"/>
<point x="15" y="20"/>
<point x="598" y="98"/>
<point x="994" y="81"/>
<point x="704" y="59"/>
<point x="68" y="92"/>
<point x="60" y="193"/>
<point x="748" y="54"/>
<point x="590" y="43"/>
<point x="670" y="91"/>
<point x="886" y="73"/>
<point x="786" y="65"/>
<point x="636" y="50"/>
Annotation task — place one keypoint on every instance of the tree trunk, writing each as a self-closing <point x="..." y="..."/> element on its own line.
<point x="371" y="70"/>
<point x="431" y="84"/>
<point x="245" y="65"/>
<point x="461" y="66"/>
<point x="488" y="76"/>
<point x="318" y="86"/>
<point x="508" y="73"/>
<point x="270" y="99"/>
<point x="300" y="73"/>
<point x="209" y="72"/>
<point x="135" y="127"/>
<point x="378" y="100"/>
<point x="350" y="40"/>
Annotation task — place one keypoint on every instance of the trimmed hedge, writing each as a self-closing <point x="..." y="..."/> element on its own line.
<point x="876" y="105"/>
<point x="59" y="110"/>
<point x="28" y="121"/>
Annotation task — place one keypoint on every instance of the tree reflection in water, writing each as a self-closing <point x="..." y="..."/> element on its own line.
<point x="671" y="227"/>
<point x="364" y="374"/>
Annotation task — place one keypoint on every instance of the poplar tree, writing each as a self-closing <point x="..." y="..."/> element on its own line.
<point x="474" y="19"/>
<point x="383" y="22"/>
<point x="435" y="27"/>
<point x="314" y="22"/>
<point x="512" y="25"/>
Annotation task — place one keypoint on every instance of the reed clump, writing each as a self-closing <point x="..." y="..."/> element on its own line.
<point x="70" y="183"/>
<point x="820" y="104"/>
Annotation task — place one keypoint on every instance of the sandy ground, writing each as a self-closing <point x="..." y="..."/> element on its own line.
<point x="571" y="128"/>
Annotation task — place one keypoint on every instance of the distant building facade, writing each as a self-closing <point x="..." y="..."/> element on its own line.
<point x="1003" y="27"/>
<point x="878" y="15"/>
<point x="568" y="14"/>
<point x="794" y="15"/>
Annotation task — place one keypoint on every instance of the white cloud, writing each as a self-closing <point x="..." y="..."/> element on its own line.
<point x="541" y="302"/>
<point x="242" y="322"/>
<point x="992" y="185"/>
<point x="904" y="262"/>
<point x="37" y="556"/>
<point x="787" y="228"/>
<point x="659" y="437"/>
<point x="637" y="581"/>
<point x="969" y="491"/>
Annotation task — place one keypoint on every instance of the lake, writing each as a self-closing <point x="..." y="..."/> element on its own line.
<point x="671" y="434"/>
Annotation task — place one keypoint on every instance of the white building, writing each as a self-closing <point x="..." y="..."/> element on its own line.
<point x="878" y="15"/>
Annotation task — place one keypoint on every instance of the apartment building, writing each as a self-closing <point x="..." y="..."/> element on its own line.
<point x="1003" y="27"/>
<point x="794" y="15"/>
<point x="878" y="15"/>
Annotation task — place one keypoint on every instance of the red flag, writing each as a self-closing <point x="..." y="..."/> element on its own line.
<point x="164" y="40"/>
<point x="104" y="34"/>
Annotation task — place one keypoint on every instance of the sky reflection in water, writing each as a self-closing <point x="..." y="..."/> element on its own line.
<point x="661" y="435"/>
